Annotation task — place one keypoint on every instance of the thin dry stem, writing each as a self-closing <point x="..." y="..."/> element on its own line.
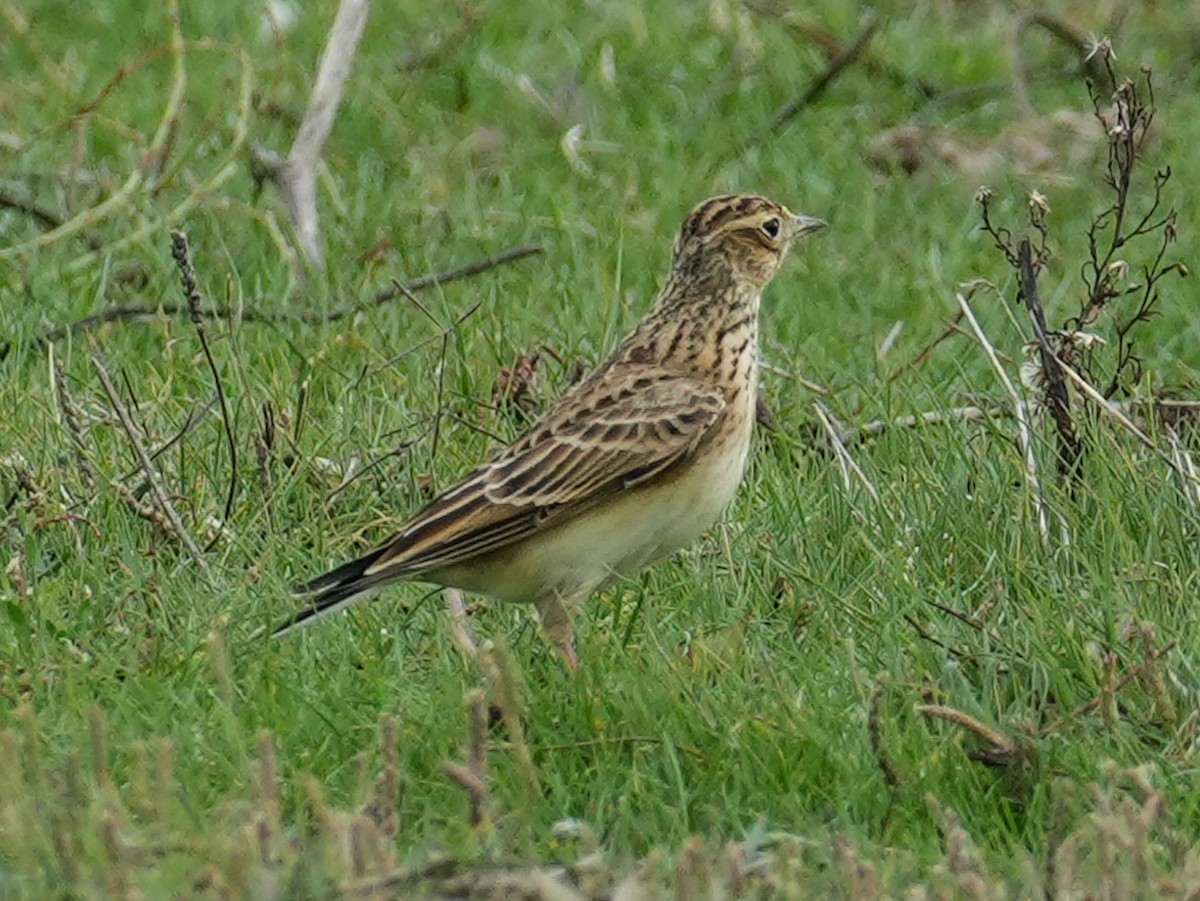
<point x="1058" y="401"/>
<point x="844" y="459"/>
<point x="498" y="666"/>
<point x="71" y="416"/>
<point x="153" y="476"/>
<point x="1189" y="477"/>
<point x="155" y="312"/>
<point x="472" y="778"/>
<point x="1021" y="409"/>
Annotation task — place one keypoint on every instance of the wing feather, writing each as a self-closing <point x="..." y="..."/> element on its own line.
<point x="615" y="430"/>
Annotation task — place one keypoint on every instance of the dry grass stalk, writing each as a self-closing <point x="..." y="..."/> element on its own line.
<point x="154" y="312"/>
<point x="472" y="778"/>
<point x="847" y="463"/>
<point x="181" y="252"/>
<point x="71" y="417"/>
<point x="383" y="806"/>
<point x="1021" y="409"/>
<point x="860" y="879"/>
<point x="1181" y="465"/>
<point x="500" y="670"/>
<point x="153" y="476"/>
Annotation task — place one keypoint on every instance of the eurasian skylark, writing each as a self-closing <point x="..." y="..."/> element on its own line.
<point x="633" y="463"/>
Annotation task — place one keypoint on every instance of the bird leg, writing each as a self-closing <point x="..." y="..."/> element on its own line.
<point x="557" y="623"/>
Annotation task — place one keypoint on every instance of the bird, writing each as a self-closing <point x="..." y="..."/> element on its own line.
<point x="630" y="465"/>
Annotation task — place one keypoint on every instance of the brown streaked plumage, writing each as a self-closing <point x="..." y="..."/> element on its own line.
<point x="630" y="465"/>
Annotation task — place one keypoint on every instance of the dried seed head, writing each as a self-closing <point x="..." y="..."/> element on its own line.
<point x="983" y="194"/>
<point x="1039" y="206"/>
<point x="1101" y="47"/>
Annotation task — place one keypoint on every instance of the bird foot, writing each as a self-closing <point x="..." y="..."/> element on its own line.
<point x="572" y="659"/>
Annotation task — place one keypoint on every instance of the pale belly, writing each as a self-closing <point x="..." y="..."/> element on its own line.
<point x="614" y="541"/>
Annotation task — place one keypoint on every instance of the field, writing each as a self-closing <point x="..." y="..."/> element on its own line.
<point x="912" y="662"/>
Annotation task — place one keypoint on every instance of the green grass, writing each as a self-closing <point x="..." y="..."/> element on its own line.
<point x="731" y="686"/>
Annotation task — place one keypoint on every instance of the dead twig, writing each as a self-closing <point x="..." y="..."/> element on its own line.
<point x="833" y="48"/>
<point x="1115" y="412"/>
<point x="439" y="394"/>
<point x="1184" y="464"/>
<point x="13" y="199"/>
<point x="194" y="417"/>
<point x="156" y="312"/>
<point x="153" y="476"/>
<point x="143" y="511"/>
<point x="1137" y="673"/>
<point x="875" y="735"/>
<point x="925" y="352"/>
<point x="1172" y="415"/>
<point x="970" y="413"/>
<point x="432" y="280"/>
<point x="71" y="413"/>
<point x="226" y="167"/>
<point x="821" y="83"/>
<point x="816" y="88"/>
<point x="928" y="636"/>
<point x="297" y="175"/>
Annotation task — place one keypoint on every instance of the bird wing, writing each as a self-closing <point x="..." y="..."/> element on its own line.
<point x="615" y="430"/>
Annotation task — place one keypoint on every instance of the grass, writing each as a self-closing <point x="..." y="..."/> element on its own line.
<point x="747" y="690"/>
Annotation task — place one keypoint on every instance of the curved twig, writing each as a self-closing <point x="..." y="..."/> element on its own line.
<point x="141" y="312"/>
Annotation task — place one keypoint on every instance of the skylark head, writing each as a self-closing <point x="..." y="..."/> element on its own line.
<point x="742" y="236"/>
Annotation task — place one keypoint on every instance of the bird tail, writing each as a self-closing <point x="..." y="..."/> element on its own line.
<point x="334" y="591"/>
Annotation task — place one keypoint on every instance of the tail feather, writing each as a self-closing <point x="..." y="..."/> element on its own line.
<point x="347" y="572"/>
<point x="334" y="591"/>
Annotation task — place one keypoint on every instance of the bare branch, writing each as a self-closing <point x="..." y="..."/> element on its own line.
<point x="297" y="175"/>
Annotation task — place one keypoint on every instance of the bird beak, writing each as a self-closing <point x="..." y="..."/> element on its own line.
<point x="804" y="225"/>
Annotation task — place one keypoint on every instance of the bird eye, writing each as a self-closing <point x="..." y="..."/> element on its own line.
<point x="771" y="228"/>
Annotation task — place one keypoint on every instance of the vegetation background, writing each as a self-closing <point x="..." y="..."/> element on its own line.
<point x="853" y="684"/>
